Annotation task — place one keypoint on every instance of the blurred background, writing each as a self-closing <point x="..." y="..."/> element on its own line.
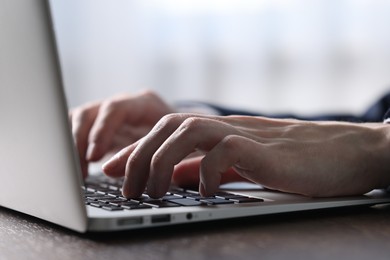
<point x="300" y="56"/>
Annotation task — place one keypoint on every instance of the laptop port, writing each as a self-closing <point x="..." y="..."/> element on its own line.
<point x="130" y="221"/>
<point x="161" y="218"/>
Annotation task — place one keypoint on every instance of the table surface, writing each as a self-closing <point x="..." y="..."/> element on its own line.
<point x="349" y="233"/>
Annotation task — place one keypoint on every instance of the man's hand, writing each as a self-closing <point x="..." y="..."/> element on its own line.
<point x="102" y="127"/>
<point x="309" y="158"/>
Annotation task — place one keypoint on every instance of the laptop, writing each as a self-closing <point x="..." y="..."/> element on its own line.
<point x="39" y="169"/>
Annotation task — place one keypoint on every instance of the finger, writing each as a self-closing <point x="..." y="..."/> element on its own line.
<point x="82" y="121"/>
<point x="242" y="153"/>
<point x="134" y="110"/>
<point x="112" y="115"/>
<point x="186" y="174"/>
<point x="116" y="165"/>
<point x="194" y="133"/>
<point x="138" y="163"/>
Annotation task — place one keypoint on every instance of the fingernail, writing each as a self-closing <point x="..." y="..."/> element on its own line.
<point x="131" y="188"/>
<point x="111" y="164"/>
<point x="91" y="151"/>
<point x="125" y="188"/>
<point x="202" y="190"/>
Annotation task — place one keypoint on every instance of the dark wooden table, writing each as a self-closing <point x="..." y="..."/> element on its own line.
<point x="358" y="233"/>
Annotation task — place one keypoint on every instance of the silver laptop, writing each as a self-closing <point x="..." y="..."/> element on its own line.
<point x="39" y="169"/>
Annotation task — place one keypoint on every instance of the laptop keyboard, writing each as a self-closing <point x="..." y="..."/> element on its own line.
<point x="104" y="193"/>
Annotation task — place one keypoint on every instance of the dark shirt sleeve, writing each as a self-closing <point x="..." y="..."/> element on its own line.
<point x="386" y="118"/>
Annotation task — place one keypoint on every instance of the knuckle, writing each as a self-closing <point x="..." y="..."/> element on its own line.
<point x="230" y="142"/>
<point x="75" y="112"/>
<point x="206" y="164"/>
<point x="132" y="162"/>
<point x="169" y="118"/>
<point x="148" y="93"/>
<point x="111" y="104"/>
<point x="117" y="101"/>
<point x="192" y="124"/>
<point x="157" y="160"/>
<point x="79" y="115"/>
<point x="168" y="121"/>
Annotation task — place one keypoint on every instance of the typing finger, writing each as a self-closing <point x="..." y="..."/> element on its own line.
<point x="194" y="133"/>
<point x="112" y="115"/>
<point x="138" y="163"/>
<point x="241" y="153"/>
<point x="82" y="121"/>
<point x="186" y="174"/>
<point x="116" y="165"/>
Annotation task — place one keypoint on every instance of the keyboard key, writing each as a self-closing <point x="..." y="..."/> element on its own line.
<point x="171" y="197"/>
<point x="89" y="201"/>
<point x="189" y="195"/>
<point x="97" y="204"/>
<point x="187" y="202"/>
<point x="246" y="200"/>
<point x="111" y="207"/>
<point x="117" y="201"/>
<point x="143" y="198"/>
<point x="94" y="195"/>
<point x="216" y="201"/>
<point x="107" y="199"/>
<point x="124" y="204"/>
<point x="129" y="205"/>
<point x="134" y="205"/>
<point x="103" y="190"/>
<point x="87" y="192"/>
<point x="228" y="196"/>
<point x="114" y="187"/>
<point x="117" y="193"/>
<point x="90" y="189"/>
<point x="160" y="203"/>
<point x="107" y="194"/>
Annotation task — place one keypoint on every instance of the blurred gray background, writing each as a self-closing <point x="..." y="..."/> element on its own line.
<point x="301" y="56"/>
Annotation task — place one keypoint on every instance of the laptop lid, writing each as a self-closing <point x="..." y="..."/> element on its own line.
<point x="38" y="170"/>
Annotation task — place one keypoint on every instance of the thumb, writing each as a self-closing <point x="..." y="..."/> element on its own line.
<point x="186" y="174"/>
<point x="115" y="167"/>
